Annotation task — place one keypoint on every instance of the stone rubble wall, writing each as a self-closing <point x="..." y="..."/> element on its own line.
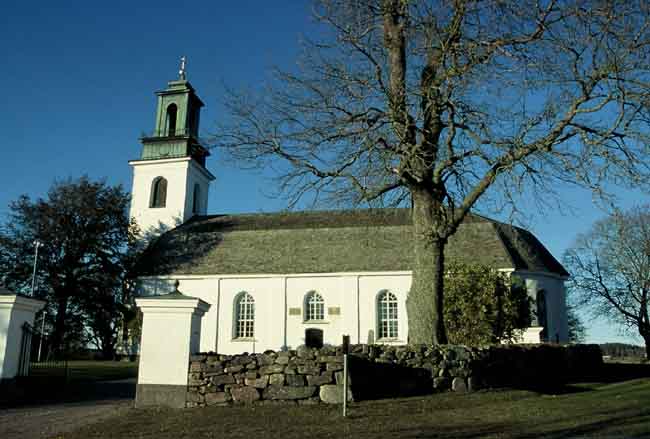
<point x="311" y="376"/>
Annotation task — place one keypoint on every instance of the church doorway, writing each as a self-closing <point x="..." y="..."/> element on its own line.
<point x="314" y="338"/>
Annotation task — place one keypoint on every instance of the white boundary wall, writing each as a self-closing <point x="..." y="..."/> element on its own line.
<point x="171" y="332"/>
<point x="15" y="311"/>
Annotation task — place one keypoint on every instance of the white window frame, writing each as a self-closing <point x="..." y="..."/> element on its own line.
<point x="314" y="307"/>
<point x="387" y="316"/>
<point x="244" y="327"/>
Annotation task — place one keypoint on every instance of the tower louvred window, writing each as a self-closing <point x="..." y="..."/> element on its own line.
<point x="172" y="110"/>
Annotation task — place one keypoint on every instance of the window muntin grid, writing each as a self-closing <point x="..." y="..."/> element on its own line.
<point x="314" y="306"/>
<point x="245" y="319"/>
<point x="387" y="314"/>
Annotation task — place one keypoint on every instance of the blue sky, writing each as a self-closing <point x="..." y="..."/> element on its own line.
<point x="79" y="78"/>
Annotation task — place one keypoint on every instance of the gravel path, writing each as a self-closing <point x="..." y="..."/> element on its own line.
<point x="52" y="419"/>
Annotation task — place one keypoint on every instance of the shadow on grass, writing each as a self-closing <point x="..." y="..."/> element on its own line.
<point x="621" y="424"/>
<point x="35" y="391"/>
<point x="617" y="372"/>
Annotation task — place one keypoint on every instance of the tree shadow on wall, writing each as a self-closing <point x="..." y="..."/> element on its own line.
<point x="173" y="249"/>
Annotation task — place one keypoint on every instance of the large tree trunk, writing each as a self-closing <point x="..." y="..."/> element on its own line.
<point x="644" y="322"/>
<point x="425" y="300"/>
<point x="644" y="331"/>
<point x="59" y="325"/>
<point x="108" y="347"/>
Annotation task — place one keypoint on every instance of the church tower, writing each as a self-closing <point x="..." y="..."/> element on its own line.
<point x="170" y="180"/>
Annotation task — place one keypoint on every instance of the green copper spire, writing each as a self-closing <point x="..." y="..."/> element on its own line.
<point x="177" y="122"/>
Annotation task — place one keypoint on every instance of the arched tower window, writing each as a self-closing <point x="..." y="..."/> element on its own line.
<point x="158" y="192"/>
<point x="244" y="316"/>
<point x="196" y="198"/>
<point x="314" y="306"/>
<point x="386" y="315"/>
<point x="170" y="121"/>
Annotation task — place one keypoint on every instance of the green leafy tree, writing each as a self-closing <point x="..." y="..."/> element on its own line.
<point x="84" y="229"/>
<point x="445" y="103"/>
<point x="483" y="306"/>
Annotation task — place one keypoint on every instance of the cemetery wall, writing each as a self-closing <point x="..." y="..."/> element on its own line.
<point x="312" y="376"/>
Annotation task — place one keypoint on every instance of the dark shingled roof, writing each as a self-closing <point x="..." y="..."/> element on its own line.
<point x="331" y="241"/>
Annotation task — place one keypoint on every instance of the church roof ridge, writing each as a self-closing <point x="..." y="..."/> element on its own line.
<point x="315" y="218"/>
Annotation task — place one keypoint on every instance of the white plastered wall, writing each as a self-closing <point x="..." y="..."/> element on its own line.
<point x="355" y="294"/>
<point x="181" y="175"/>
<point x="553" y="286"/>
<point x="369" y="288"/>
<point x="197" y="175"/>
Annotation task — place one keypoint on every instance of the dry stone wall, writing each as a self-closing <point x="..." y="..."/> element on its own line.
<point x="311" y="376"/>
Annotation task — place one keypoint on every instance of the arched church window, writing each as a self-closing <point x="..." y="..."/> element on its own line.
<point x="196" y="198"/>
<point x="170" y="121"/>
<point x="314" y="306"/>
<point x="244" y="316"/>
<point x="386" y="314"/>
<point x="158" y="192"/>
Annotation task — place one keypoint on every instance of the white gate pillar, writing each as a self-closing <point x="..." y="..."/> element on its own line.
<point x="171" y="332"/>
<point x="15" y="311"/>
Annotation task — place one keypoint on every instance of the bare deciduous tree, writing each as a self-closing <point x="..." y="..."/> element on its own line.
<point x="611" y="270"/>
<point x="445" y="103"/>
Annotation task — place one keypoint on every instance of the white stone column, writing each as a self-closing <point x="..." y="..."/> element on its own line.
<point x="531" y="335"/>
<point x="171" y="332"/>
<point x="15" y="311"/>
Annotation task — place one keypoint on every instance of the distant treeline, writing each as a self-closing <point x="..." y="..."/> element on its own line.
<point x="622" y="350"/>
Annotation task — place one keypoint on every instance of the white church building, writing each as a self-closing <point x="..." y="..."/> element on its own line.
<point x="280" y="280"/>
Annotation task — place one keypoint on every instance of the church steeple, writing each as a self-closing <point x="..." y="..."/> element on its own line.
<point x="176" y="130"/>
<point x="170" y="180"/>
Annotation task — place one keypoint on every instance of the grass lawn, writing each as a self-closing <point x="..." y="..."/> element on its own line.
<point x="93" y="370"/>
<point x="101" y="370"/>
<point x="614" y="410"/>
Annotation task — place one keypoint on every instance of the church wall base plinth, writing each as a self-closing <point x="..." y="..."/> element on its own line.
<point x="160" y="395"/>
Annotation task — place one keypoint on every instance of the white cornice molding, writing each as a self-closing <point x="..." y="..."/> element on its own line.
<point x="159" y="161"/>
<point x="21" y="303"/>
<point x="207" y="174"/>
<point x="159" y="305"/>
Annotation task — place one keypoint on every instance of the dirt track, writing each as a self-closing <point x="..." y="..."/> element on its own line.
<point x="97" y="402"/>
